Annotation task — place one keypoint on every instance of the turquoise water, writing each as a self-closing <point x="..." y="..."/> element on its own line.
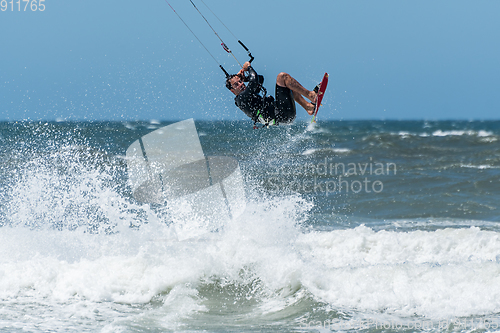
<point x="362" y="225"/>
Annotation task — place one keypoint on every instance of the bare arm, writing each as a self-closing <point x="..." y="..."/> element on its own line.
<point x="246" y="65"/>
<point x="244" y="69"/>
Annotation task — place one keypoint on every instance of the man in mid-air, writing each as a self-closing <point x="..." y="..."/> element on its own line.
<point x="265" y="109"/>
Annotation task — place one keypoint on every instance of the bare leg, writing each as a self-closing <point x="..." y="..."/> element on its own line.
<point x="309" y="107"/>
<point x="285" y="80"/>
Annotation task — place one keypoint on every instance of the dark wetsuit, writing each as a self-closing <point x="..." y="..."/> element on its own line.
<point x="266" y="109"/>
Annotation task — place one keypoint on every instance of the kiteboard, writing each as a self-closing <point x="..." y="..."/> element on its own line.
<point x="321" y="94"/>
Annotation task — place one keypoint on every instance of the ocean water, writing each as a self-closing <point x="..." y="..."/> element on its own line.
<point x="375" y="226"/>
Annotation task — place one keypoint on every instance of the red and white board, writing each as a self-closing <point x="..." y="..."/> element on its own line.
<point x="321" y="93"/>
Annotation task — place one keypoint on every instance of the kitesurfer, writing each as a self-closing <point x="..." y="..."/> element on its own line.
<point x="266" y="109"/>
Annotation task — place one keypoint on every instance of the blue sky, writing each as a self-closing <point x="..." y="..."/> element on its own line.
<point x="135" y="60"/>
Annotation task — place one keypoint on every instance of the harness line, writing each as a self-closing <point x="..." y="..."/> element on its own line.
<point x="215" y="32"/>
<point x="187" y="26"/>
<point x="239" y="41"/>
<point x="224" y="46"/>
